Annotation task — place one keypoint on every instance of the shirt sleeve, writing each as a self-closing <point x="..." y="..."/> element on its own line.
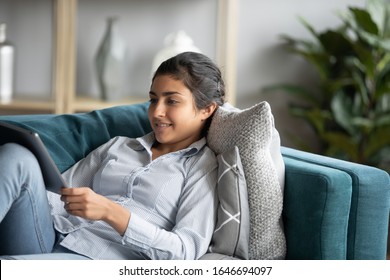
<point x="195" y="219"/>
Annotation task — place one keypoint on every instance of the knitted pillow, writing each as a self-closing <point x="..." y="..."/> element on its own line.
<point x="231" y="235"/>
<point x="251" y="130"/>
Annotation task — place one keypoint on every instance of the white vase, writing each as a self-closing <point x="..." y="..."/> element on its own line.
<point x="174" y="43"/>
<point x="6" y="67"/>
<point x="110" y="62"/>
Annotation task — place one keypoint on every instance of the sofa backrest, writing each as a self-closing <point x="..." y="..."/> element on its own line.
<point x="70" y="137"/>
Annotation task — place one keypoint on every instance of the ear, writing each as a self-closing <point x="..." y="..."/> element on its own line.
<point x="209" y="110"/>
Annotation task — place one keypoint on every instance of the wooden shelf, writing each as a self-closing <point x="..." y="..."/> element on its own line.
<point x="80" y="104"/>
<point x="64" y="99"/>
<point x="86" y="104"/>
<point x="28" y="104"/>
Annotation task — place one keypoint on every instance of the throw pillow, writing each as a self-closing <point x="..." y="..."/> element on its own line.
<point x="231" y="235"/>
<point x="251" y="130"/>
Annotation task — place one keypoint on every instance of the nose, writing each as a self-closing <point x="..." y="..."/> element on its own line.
<point x="159" y="110"/>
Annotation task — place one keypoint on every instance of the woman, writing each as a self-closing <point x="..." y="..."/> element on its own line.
<point x="130" y="198"/>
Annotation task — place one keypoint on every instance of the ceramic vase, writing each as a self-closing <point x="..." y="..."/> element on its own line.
<point x="110" y="62"/>
<point x="174" y="43"/>
<point x="6" y="67"/>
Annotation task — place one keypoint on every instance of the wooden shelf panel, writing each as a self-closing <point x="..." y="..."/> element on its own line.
<point x="80" y="104"/>
<point x="29" y="104"/>
<point x="86" y="104"/>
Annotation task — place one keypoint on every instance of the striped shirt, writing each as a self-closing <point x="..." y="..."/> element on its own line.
<point x="172" y="201"/>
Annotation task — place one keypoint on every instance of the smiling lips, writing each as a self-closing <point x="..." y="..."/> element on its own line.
<point x="163" y="124"/>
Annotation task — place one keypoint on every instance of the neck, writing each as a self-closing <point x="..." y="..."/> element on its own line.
<point x="159" y="149"/>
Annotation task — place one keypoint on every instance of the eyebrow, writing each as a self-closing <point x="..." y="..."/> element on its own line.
<point x="166" y="93"/>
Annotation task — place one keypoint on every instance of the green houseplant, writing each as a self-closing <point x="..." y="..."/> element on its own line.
<point x="350" y="114"/>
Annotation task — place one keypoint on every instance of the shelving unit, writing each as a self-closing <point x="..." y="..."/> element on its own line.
<point x="29" y="105"/>
<point x="83" y="104"/>
<point x="64" y="98"/>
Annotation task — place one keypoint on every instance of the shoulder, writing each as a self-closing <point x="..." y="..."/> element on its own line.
<point x="114" y="144"/>
<point x="209" y="153"/>
<point x="204" y="159"/>
<point x="121" y="140"/>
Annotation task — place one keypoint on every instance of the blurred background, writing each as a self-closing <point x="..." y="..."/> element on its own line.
<point x="256" y="55"/>
<point x="56" y="44"/>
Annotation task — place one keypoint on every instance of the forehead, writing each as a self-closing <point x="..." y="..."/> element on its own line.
<point x="166" y="83"/>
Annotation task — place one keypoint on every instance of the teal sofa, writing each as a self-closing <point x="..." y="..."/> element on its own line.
<point x="333" y="209"/>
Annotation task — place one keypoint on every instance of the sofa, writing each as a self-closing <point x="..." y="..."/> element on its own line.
<point x="332" y="209"/>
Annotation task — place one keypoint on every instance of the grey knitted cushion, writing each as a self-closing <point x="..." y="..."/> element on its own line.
<point x="251" y="131"/>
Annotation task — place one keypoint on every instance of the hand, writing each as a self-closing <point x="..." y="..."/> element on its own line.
<point x="85" y="203"/>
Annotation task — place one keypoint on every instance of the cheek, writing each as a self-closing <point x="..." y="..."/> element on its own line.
<point x="150" y="114"/>
<point x="149" y="111"/>
<point x="187" y="117"/>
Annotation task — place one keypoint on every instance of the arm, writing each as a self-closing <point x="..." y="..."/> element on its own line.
<point x="85" y="203"/>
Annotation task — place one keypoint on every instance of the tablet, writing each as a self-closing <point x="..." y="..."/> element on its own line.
<point x="13" y="134"/>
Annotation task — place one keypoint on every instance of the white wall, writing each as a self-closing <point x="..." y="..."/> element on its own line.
<point x="29" y="26"/>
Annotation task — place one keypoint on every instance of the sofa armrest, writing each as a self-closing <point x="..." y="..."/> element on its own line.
<point x="316" y="211"/>
<point x="370" y="203"/>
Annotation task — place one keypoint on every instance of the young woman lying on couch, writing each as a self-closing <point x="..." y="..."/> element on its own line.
<point x="130" y="198"/>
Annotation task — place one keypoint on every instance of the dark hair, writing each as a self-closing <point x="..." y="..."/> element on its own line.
<point x="199" y="74"/>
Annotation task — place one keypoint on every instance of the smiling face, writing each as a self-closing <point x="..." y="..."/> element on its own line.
<point x="174" y="118"/>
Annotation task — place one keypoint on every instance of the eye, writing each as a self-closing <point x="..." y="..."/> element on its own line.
<point x="172" y="101"/>
<point x="153" y="100"/>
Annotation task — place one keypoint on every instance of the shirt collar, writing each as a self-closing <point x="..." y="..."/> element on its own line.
<point x="146" y="142"/>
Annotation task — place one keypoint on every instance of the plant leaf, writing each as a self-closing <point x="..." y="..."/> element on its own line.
<point x="363" y="126"/>
<point x="382" y="79"/>
<point x="297" y="45"/>
<point x="308" y="26"/>
<point x="377" y="140"/>
<point x="342" y="111"/>
<point x="335" y="43"/>
<point x="365" y="56"/>
<point x="316" y="117"/>
<point x="380" y="12"/>
<point x="383" y="104"/>
<point x="364" y="21"/>
<point x="361" y="88"/>
<point x="339" y="144"/>
<point x="383" y="121"/>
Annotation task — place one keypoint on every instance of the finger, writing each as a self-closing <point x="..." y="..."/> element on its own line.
<point x="68" y="198"/>
<point x="66" y="191"/>
<point x="72" y="198"/>
<point x="78" y="213"/>
<point x="74" y="191"/>
<point x="73" y="206"/>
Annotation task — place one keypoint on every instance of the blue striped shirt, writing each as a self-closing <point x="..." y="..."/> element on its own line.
<point x="172" y="201"/>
